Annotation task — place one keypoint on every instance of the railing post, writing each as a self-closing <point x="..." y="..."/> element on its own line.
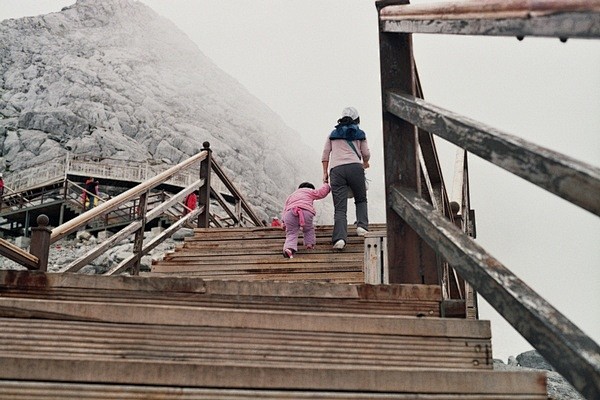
<point x="40" y="241"/>
<point x="410" y="259"/>
<point x="204" y="198"/>
<point x="139" y="234"/>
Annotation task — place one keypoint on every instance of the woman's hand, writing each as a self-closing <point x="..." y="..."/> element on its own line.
<point x="366" y="164"/>
<point x="325" y="177"/>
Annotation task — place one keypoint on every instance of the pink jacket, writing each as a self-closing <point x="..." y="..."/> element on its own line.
<point x="304" y="197"/>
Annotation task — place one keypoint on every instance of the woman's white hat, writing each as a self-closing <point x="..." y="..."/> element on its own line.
<point x="350" y="112"/>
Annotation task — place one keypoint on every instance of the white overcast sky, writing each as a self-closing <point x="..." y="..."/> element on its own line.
<point x="307" y="60"/>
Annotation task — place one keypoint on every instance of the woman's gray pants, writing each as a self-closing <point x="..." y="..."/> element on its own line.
<point x="341" y="178"/>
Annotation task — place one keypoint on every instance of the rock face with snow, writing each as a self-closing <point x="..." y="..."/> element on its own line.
<point x="111" y="78"/>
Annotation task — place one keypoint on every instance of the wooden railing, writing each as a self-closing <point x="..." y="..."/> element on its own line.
<point x="138" y="206"/>
<point x="104" y="168"/>
<point x="417" y="231"/>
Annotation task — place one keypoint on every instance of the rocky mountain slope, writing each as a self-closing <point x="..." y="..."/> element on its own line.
<point x="112" y="78"/>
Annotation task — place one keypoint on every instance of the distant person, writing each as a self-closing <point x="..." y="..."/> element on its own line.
<point x="191" y="202"/>
<point x="90" y="194"/>
<point x="1" y="186"/>
<point x="275" y="222"/>
<point x="345" y="157"/>
<point x="298" y="214"/>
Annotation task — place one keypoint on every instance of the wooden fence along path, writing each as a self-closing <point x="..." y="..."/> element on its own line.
<point x="95" y="337"/>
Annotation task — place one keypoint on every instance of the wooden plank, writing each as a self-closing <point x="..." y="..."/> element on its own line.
<point x="415" y="308"/>
<point x="409" y="257"/>
<point x="413" y="300"/>
<point x="249" y="318"/>
<point x="573" y="180"/>
<point x="494" y="9"/>
<point x="260" y="259"/>
<point x="31" y="281"/>
<point x="219" y="376"/>
<point x="562" y="19"/>
<point x="26" y="390"/>
<point x="239" y="346"/>
<point x="15" y="253"/>
<point x="564" y="345"/>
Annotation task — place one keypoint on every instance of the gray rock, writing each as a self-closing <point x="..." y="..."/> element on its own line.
<point x="113" y="79"/>
<point x="532" y="359"/>
<point x="558" y="387"/>
<point x="182" y="234"/>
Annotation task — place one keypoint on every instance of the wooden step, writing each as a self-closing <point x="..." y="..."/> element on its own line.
<point x="408" y="300"/>
<point x="256" y="254"/>
<point x="254" y="382"/>
<point x="136" y="337"/>
<point x="239" y="346"/>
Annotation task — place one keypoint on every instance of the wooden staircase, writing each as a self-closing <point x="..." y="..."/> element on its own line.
<point x="256" y="254"/>
<point x="227" y="317"/>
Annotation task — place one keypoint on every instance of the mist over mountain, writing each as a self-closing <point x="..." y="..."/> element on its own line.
<point x="112" y="78"/>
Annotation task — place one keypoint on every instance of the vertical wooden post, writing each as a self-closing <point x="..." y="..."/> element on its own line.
<point x="40" y="241"/>
<point x="204" y="198"/>
<point x="139" y="234"/>
<point x="27" y="223"/>
<point x="410" y="259"/>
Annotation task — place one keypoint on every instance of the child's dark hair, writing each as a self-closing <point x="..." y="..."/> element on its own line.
<point x="306" y="185"/>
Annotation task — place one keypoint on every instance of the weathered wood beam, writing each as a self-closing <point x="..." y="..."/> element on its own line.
<point x="573" y="180"/>
<point x="17" y="254"/>
<point x="574" y="355"/>
<point x="219" y="197"/>
<point x="229" y="185"/>
<point x="550" y="18"/>
<point x="410" y="259"/>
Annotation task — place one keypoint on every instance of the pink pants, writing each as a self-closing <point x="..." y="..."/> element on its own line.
<point x="293" y="224"/>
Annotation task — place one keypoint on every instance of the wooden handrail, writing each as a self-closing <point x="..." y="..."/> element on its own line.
<point x="18" y="255"/>
<point x="552" y="334"/>
<point x="156" y="212"/>
<point x="229" y="185"/>
<point x="484" y="9"/>
<point x="573" y="180"/>
<point x="71" y="226"/>
<point x="545" y="18"/>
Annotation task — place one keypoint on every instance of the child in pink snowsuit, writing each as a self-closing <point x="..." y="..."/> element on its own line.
<point x="298" y="213"/>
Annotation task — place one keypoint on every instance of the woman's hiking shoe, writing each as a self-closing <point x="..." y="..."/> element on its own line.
<point x="288" y="253"/>
<point x="339" y="245"/>
<point x="361" y="231"/>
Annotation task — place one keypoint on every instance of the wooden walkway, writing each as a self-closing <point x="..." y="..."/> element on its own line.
<point x="96" y="337"/>
<point x="226" y="316"/>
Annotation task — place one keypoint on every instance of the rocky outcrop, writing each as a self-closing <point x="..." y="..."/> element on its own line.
<point x="558" y="387"/>
<point x="111" y="78"/>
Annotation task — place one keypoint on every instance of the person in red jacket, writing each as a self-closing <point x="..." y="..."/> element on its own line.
<point x="276" y="222"/>
<point x="191" y="202"/>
